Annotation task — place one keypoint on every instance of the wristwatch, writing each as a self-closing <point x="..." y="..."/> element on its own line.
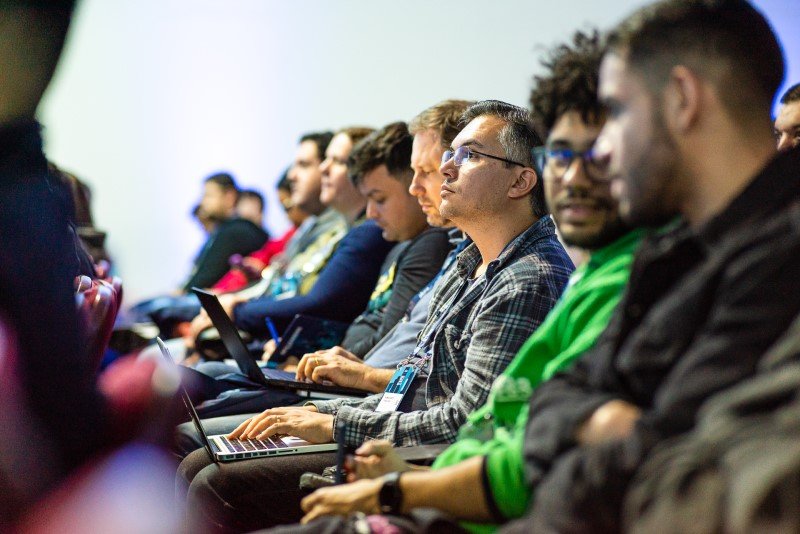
<point x="390" y="497"/>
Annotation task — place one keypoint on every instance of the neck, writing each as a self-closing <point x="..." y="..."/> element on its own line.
<point x="492" y="236"/>
<point x="351" y="208"/>
<point x="718" y="171"/>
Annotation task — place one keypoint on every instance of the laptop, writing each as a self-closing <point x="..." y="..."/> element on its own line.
<point x="308" y="334"/>
<point x="222" y="449"/>
<point x="249" y="366"/>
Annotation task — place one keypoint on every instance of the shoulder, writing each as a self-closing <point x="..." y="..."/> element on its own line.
<point x="427" y="243"/>
<point x="367" y="231"/>
<point x="240" y="226"/>
<point x="544" y="260"/>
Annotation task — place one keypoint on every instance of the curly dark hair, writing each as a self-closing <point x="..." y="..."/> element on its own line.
<point x="570" y="84"/>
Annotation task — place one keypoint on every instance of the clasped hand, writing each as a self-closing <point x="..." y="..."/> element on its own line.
<point x="335" y="365"/>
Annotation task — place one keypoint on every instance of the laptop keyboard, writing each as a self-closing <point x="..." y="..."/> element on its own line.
<point x="247" y="445"/>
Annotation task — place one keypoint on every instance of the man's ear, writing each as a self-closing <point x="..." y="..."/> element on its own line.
<point x="525" y="181"/>
<point x="681" y="99"/>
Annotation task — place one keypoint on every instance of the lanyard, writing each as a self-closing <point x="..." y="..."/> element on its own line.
<point x="423" y="352"/>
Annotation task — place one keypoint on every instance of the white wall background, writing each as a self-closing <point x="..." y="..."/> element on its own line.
<point x="152" y="96"/>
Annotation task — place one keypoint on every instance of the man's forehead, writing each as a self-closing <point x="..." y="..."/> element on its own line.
<point x="788" y="116"/>
<point x="479" y="131"/>
<point x="338" y="147"/>
<point x="613" y="70"/>
<point x="570" y="129"/>
<point x="426" y="141"/>
<point x="306" y="150"/>
<point x="427" y="145"/>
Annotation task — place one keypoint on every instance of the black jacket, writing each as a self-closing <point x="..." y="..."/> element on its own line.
<point x="233" y="236"/>
<point x="700" y="309"/>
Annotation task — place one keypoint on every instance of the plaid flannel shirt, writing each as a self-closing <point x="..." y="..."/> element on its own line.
<point x="481" y="334"/>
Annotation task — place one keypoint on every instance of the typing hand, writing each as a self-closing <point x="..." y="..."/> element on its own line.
<point x="300" y="421"/>
<point x="336" y="365"/>
<point x="361" y="496"/>
<point x="269" y="350"/>
<point x="375" y="459"/>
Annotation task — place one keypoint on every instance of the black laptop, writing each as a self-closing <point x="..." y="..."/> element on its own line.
<point x="248" y="364"/>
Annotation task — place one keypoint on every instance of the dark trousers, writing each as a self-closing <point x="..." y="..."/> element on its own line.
<point x="245" y="495"/>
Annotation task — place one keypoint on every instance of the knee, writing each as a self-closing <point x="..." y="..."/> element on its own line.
<point x="186" y="440"/>
<point x="191" y="466"/>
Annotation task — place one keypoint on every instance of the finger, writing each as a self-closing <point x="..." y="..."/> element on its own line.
<point x="302" y="367"/>
<point x="276" y="428"/>
<point x="313" y="514"/>
<point x="254" y="422"/>
<point x="378" y="447"/>
<point x="322" y="373"/>
<point x="239" y="430"/>
<point x="350" y="356"/>
<point x="308" y="502"/>
<point x="259" y="429"/>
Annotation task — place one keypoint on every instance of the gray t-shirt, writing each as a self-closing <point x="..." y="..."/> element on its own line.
<point x="402" y="339"/>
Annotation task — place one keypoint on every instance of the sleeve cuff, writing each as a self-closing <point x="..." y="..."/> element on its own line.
<point x="494" y="510"/>
<point x="326" y="407"/>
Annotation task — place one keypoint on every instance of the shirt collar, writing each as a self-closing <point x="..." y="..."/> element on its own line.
<point x="773" y="187"/>
<point x="622" y="245"/>
<point x="471" y="257"/>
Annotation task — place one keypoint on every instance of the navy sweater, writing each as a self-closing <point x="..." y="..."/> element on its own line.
<point x="341" y="291"/>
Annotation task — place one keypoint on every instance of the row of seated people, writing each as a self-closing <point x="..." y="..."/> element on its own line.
<point x="552" y="401"/>
<point x="557" y="390"/>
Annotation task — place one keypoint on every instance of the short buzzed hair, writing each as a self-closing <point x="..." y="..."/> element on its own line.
<point x="389" y="146"/>
<point x="224" y="180"/>
<point x="320" y="139"/>
<point x="443" y="118"/>
<point x="792" y="94"/>
<point x="728" y="41"/>
<point x="253" y="195"/>
<point x="518" y="137"/>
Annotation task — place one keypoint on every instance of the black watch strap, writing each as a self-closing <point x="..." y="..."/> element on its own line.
<point x="390" y="496"/>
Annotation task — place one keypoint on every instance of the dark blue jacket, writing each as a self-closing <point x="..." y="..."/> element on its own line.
<point x="341" y="291"/>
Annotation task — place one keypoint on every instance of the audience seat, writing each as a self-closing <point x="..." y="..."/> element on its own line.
<point x="98" y="304"/>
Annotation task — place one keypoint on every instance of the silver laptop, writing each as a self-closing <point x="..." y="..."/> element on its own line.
<point x="222" y="449"/>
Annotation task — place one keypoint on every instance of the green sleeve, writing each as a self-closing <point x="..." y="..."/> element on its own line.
<point x="505" y="470"/>
<point x="590" y="318"/>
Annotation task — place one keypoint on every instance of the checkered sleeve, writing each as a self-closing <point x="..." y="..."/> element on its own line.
<point x="507" y="314"/>
<point x="334" y="405"/>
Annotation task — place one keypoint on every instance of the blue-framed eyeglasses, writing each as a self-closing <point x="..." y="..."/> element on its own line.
<point x="557" y="161"/>
<point x="464" y="153"/>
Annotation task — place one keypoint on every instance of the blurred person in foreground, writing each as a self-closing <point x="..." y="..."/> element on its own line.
<point x="56" y="426"/>
<point x="787" y="123"/>
<point x="688" y="85"/>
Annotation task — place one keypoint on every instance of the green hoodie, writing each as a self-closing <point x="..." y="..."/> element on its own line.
<point x="497" y="429"/>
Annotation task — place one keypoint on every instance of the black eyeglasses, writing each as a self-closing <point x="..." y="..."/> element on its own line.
<point x="463" y="153"/>
<point x="557" y="162"/>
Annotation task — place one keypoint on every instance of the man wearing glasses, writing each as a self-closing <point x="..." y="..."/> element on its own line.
<point x="486" y="463"/>
<point x="481" y="313"/>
